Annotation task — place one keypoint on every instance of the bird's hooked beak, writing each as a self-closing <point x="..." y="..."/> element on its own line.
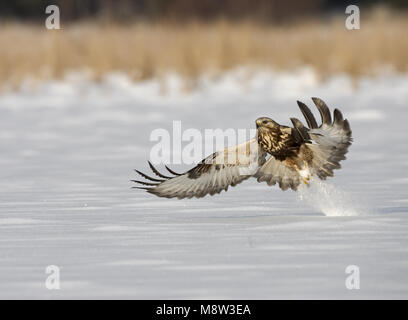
<point x="258" y="123"/>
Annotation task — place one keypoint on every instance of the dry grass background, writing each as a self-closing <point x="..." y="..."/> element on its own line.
<point x="150" y="50"/>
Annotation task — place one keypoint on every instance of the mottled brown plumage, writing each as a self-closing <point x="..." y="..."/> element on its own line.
<point x="279" y="154"/>
<point x="275" y="139"/>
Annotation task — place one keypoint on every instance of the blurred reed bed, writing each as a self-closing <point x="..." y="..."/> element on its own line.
<point x="144" y="50"/>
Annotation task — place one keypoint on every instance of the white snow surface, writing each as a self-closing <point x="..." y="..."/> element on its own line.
<point x="68" y="150"/>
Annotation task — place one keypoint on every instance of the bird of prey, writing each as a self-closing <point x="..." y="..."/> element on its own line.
<point x="288" y="156"/>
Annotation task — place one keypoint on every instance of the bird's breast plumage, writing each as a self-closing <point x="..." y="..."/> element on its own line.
<point x="277" y="142"/>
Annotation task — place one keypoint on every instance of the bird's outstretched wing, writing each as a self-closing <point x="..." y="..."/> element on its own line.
<point x="321" y="148"/>
<point x="212" y="175"/>
<point x="329" y="142"/>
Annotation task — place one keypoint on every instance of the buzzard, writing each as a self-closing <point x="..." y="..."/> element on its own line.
<point x="288" y="156"/>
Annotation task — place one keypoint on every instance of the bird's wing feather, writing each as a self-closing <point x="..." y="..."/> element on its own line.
<point x="329" y="142"/>
<point x="212" y="175"/>
<point x="321" y="149"/>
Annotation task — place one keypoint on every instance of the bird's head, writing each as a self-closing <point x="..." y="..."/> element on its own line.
<point x="266" y="123"/>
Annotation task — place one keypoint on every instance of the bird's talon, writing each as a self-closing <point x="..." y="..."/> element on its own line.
<point x="306" y="180"/>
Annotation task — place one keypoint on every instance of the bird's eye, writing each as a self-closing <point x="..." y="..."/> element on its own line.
<point x="264" y="122"/>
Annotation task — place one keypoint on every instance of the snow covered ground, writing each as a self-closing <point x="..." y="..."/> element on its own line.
<point x="68" y="150"/>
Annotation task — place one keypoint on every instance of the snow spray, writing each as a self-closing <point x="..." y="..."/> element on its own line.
<point x="330" y="200"/>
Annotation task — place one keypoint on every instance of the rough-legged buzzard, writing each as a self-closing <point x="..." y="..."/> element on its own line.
<point x="278" y="154"/>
